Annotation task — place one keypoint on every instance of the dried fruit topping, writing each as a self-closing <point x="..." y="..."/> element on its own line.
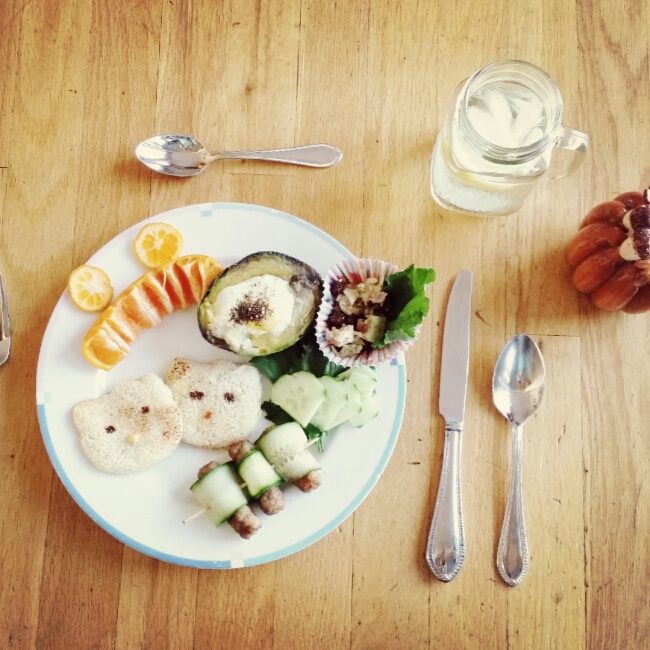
<point x="358" y="317"/>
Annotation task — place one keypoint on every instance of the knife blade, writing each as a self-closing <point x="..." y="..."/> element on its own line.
<point x="446" y="544"/>
<point x="5" y="333"/>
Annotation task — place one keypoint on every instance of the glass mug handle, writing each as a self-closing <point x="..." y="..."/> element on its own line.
<point x="575" y="144"/>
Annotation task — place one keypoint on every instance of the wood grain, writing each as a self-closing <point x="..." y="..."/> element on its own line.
<point x="81" y="83"/>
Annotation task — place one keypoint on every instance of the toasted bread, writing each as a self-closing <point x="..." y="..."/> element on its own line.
<point x="220" y="401"/>
<point x="131" y="428"/>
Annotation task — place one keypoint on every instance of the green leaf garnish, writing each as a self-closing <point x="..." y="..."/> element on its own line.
<point x="275" y="413"/>
<point x="303" y="355"/>
<point x="406" y="292"/>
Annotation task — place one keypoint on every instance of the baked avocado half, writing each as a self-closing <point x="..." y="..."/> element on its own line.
<point x="262" y="304"/>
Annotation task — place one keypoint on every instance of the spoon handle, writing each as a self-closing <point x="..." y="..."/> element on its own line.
<point x="512" y="555"/>
<point x="446" y="545"/>
<point x="312" y="155"/>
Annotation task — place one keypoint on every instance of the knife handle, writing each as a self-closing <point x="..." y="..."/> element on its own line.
<point x="446" y="545"/>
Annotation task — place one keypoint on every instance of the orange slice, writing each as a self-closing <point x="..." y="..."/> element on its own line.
<point x="157" y="244"/>
<point x="90" y="288"/>
<point x="144" y="303"/>
<point x="102" y="348"/>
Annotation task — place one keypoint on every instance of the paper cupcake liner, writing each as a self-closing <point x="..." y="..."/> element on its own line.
<point x="355" y="271"/>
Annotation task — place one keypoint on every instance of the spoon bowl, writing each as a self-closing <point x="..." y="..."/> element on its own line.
<point x="182" y="155"/>
<point x="518" y="385"/>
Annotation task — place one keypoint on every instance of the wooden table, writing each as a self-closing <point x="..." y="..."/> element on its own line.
<point x="81" y="83"/>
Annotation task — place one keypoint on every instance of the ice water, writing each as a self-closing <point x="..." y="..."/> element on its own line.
<point x="506" y="114"/>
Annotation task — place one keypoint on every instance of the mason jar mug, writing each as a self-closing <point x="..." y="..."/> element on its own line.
<point x="498" y="140"/>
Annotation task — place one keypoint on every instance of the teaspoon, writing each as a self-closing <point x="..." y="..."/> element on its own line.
<point x="182" y="155"/>
<point x="517" y="389"/>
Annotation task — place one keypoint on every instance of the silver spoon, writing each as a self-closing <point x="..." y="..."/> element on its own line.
<point x="517" y="389"/>
<point x="182" y="155"/>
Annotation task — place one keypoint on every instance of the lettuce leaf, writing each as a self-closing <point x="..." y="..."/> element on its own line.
<point x="406" y="292"/>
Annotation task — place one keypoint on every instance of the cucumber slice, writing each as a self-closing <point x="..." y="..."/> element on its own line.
<point x="353" y="405"/>
<point x="335" y="399"/>
<point x="282" y="442"/>
<point x="364" y="380"/>
<point x="220" y="493"/>
<point x="299" y="395"/>
<point x="369" y="411"/>
<point x="298" y="466"/>
<point x="284" y="448"/>
<point x="257" y="473"/>
<point x="366" y="370"/>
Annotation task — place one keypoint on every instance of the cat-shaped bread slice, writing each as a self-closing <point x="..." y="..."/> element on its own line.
<point x="131" y="428"/>
<point x="220" y="401"/>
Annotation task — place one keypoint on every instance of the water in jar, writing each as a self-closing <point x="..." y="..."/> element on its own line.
<point x="506" y="114"/>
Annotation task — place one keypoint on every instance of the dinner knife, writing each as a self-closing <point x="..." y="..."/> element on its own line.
<point x="446" y="544"/>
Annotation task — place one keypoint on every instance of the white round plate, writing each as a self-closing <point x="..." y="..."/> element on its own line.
<point x="145" y="510"/>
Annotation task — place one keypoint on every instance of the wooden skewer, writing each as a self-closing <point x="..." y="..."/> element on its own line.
<point x="196" y="515"/>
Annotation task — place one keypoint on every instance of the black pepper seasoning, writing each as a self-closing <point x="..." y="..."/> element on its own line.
<point x="250" y="310"/>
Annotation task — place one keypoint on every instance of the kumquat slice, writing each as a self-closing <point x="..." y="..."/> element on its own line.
<point x="90" y="288"/>
<point x="157" y="244"/>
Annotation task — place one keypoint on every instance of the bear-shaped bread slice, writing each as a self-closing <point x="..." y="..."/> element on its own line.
<point x="220" y="401"/>
<point x="131" y="428"/>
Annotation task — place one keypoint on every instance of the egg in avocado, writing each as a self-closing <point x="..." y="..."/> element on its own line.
<point x="262" y="304"/>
